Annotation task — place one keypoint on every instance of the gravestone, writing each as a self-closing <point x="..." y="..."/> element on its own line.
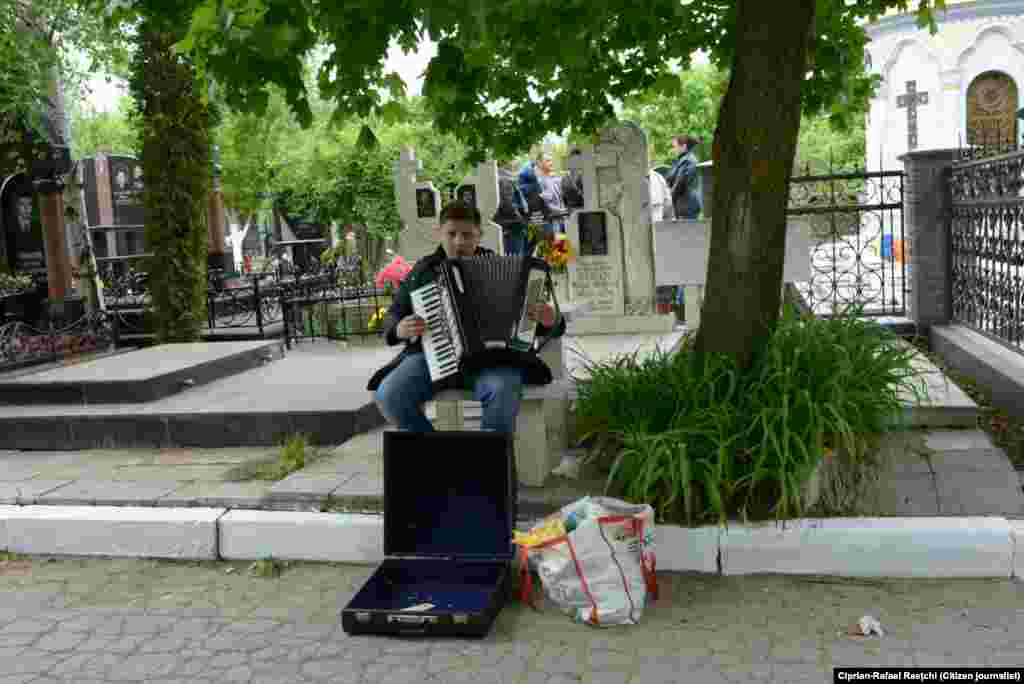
<point x="613" y="273"/>
<point x="992" y="110"/>
<point x="419" y="205"/>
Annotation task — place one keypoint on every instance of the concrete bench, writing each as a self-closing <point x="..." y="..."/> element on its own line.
<point x="542" y="426"/>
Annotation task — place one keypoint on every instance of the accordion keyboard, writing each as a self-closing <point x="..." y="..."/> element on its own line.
<point x="441" y="344"/>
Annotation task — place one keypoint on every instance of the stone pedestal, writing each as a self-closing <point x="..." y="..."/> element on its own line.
<point x="927" y="201"/>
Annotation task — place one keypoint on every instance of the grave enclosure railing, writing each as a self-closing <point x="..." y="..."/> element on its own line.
<point x="23" y="345"/>
<point x="338" y="304"/>
<point x="986" y="244"/>
<point x="856" y="224"/>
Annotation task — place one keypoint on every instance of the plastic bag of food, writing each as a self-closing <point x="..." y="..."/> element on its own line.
<point x="601" y="569"/>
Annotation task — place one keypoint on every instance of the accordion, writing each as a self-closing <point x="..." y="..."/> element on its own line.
<point x="476" y="315"/>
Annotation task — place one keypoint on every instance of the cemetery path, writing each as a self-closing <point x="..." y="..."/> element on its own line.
<point x="103" y="621"/>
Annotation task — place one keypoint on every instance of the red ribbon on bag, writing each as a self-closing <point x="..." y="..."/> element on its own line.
<point x="525" y="579"/>
<point x="647" y="563"/>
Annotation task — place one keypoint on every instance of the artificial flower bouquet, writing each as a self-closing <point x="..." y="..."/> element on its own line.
<point x="392" y="275"/>
<point x="556" y="249"/>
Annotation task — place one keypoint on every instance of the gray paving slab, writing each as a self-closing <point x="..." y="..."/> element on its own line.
<point x="957" y="440"/>
<point x="108" y="493"/>
<point x="302" y="381"/>
<point x="301" y="486"/>
<point x="910" y="494"/>
<point x="992" y="459"/>
<point x="142" y="364"/>
<point x="362" y="485"/>
<point x="27" y="492"/>
<point x="250" y="495"/>
<point x="965" y="492"/>
<point x="16" y="472"/>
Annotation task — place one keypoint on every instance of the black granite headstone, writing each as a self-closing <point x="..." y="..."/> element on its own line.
<point x="126" y="190"/>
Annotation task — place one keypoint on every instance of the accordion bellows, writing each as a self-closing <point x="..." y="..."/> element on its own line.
<point x="476" y="313"/>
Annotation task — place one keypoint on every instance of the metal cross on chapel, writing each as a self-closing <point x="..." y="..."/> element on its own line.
<point x="911" y="100"/>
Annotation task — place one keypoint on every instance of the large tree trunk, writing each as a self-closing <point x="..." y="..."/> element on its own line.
<point x="176" y="167"/>
<point x="754" y="147"/>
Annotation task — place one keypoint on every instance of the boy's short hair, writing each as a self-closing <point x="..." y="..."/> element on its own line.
<point x="457" y="210"/>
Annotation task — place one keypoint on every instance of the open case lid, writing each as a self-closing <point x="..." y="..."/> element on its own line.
<point x="449" y="494"/>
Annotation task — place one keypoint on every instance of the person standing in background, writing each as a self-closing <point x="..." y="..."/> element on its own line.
<point x="682" y="181"/>
<point x="543" y="192"/>
<point x="682" y="178"/>
<point x="511" y="214"/>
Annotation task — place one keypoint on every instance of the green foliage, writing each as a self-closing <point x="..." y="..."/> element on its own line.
<point x="293" y="454"/>
<point x="268" y="568"/>
<point x="692" y="109"/>
<point x="175" y="126"/>
<point x="40" y="40"/>
<point x="110" y="131"/>
<point x="14" y="282"/>
<point x="690" y="428"/>
<point x="689" y="109"/>
<point x="507" y="73"/>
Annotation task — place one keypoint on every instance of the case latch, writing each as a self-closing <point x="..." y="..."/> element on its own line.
<point x="413" y="619"/>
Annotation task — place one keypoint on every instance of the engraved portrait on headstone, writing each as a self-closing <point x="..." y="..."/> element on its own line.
<point x="25" y="206"/>
<point x="992" y="109"/>
<point x="425" y="207"/>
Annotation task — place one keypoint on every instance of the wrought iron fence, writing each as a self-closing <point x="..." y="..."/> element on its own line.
<point x="992" y="141"/>
<point x="986" y="238"/>
<point x="23" y="345"/>
<point x="334" y="302"/>
<point x="857" y="257"/>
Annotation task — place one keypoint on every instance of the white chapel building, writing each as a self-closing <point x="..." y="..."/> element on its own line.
<point x="945" y="90"/>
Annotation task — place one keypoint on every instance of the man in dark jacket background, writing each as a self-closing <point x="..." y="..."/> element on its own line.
<point x="682" y="178"/>
<point x="403" y="386"/>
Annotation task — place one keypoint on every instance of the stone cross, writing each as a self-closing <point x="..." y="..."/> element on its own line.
<point x="911" y="100"/>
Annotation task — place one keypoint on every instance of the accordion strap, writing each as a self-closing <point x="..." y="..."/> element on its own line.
<point x="549" y="285"/>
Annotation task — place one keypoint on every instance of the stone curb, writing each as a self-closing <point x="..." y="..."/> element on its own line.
<point x="977" y="547"/>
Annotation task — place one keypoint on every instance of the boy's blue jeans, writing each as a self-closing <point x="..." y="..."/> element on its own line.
<point x="405" y="389"/>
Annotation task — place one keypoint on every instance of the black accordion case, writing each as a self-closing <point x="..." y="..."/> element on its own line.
<point x="449" y="510"/>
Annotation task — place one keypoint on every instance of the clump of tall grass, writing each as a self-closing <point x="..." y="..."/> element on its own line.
<point x="699" y="439"/>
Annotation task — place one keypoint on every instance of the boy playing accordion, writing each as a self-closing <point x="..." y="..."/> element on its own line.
<point x="403" y="386"/>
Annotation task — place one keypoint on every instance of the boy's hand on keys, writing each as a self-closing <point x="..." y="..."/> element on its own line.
<point x="410" y="326"/>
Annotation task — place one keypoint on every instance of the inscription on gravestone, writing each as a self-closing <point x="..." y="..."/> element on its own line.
<point x="595" y="282"/>
<point x="593" y="233"/>
<point x="992" y="110"/>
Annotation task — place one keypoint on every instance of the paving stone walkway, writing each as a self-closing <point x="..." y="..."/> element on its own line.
<point x="107" y="621"/>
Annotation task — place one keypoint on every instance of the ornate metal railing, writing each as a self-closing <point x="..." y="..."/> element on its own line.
<point x="991" y="142"/>
<point x="857" y="230"/>
<point x="986" y="236"/>
<point x="23" y="345"/>
<point x="334" y="313"/>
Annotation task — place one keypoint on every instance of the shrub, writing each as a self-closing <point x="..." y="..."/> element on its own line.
<point x="686" y="429"/>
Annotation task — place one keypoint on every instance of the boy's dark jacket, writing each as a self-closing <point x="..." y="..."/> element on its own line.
<point x="425" y="272"/>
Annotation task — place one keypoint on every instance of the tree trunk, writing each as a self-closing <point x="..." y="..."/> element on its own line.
<point x="753" y="158"/>
<point x="177" y="169"/>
